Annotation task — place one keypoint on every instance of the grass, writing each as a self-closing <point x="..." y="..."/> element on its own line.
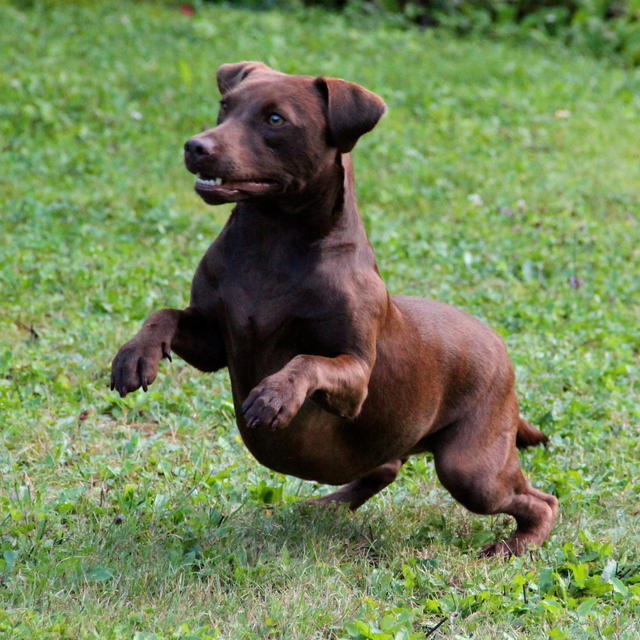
<point x="504" y="180"/>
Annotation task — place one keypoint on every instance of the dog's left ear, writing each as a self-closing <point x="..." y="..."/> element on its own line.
<point x="232" y="74"/>
<point x="352" y="111"/>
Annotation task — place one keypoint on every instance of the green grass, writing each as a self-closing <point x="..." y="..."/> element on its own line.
<point x="145" y="517"/>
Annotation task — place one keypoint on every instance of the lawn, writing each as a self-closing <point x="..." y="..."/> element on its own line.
<point x="505" y="179"/>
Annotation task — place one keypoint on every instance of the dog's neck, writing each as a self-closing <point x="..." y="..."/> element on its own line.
<point x="324" y="211"/>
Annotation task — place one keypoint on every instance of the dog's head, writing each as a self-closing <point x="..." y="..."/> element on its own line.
<point x="276" y="132"/>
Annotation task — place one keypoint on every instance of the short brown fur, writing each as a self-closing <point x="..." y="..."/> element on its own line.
<point x="333" y="380"/>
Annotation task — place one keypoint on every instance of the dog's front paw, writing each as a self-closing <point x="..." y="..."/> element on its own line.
<point x="136" y="365"/>
<point x="273" y="403"/>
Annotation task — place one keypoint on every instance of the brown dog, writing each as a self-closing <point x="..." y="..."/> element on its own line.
<point x="333" y="380"/>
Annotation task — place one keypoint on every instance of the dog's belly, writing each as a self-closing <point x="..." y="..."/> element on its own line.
<point x="309" y="447"/>
<point x="323" y="447"/>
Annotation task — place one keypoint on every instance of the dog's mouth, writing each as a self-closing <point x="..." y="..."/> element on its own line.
<point x="217" y="190"/>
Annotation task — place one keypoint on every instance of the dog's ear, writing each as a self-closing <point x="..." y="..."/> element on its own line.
<point x="352" y="110"/>
<point x="231" y="75"/>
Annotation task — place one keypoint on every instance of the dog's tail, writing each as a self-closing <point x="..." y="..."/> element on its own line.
<point x="529" y="436"/>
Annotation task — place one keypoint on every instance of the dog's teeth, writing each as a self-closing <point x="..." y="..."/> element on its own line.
<point x="213" y="182"/>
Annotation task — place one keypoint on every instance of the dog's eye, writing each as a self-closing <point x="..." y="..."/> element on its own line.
<point x="275" y="119"/>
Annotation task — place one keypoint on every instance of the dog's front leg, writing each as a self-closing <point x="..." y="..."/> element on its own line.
<point x="194" y="337"/>
<point x="340" y="384"/>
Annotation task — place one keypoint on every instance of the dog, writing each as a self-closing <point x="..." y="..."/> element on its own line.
<point x="333" y="379"/>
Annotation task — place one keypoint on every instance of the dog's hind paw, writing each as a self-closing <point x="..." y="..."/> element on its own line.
<point x="515" y="546"/>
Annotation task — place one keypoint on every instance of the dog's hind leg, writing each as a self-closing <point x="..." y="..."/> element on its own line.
<point x="476" y="460"/>
<point x="356" y="493"/>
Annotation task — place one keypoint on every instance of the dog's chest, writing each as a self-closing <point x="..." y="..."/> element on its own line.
<point x="254" y="313"/>
<point x="275" y="296"/>
<point x="264" y="305"/>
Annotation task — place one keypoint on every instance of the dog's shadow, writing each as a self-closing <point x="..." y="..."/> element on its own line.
<point x="304" y="533"/>
<point x="269" y="544"/>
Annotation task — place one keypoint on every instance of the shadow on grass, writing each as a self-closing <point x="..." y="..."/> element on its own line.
<point x="302" y="533"/>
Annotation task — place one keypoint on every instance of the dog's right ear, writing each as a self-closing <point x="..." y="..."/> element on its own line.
<point x="231" y="75"/>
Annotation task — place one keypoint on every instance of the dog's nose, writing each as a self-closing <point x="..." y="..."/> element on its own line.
<point x="199" y="147"/>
